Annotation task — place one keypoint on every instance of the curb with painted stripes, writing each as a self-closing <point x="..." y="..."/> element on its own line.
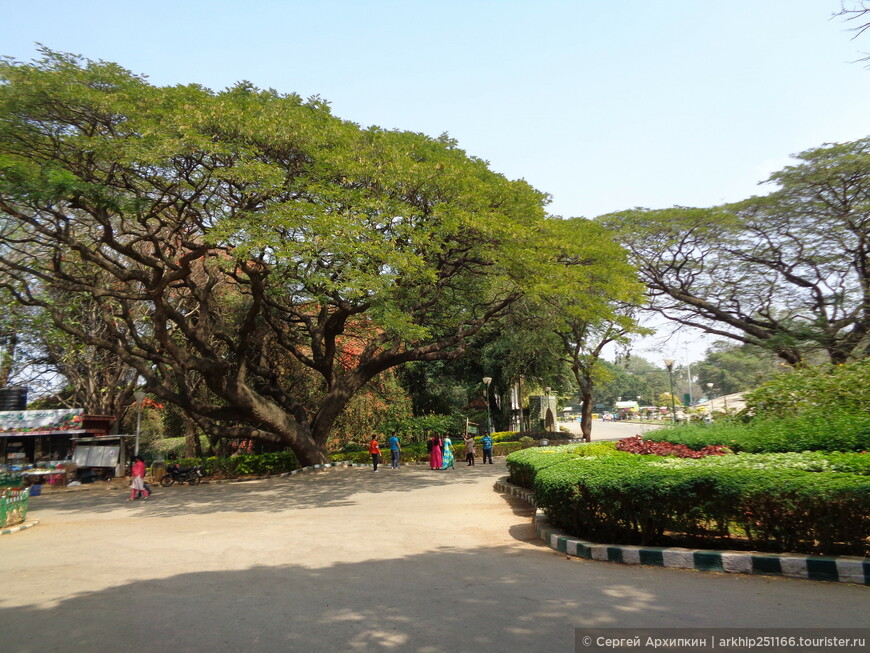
<point x="19" y="527"/>
<point x="843" y="569"/>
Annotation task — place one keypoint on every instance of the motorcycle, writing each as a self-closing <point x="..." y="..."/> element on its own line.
<point x="181" y="475"/>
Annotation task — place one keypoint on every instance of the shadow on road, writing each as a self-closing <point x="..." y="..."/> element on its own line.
<point x="311" y="489"/>
<point x="448" y="599"/>
<point x="394" y="605"/>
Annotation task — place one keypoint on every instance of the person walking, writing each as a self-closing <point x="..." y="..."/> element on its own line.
<point x="375" y="451"/>
<point x="434" y="445"/>
<point x="447" y="456"/>
<point x="137" y="484"/>
<point x="486" y="445"/>
<point x="469" y="449"/>
<point x="395" y="448"/>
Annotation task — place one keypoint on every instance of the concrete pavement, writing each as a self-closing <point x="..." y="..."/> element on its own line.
<point x="610" y="430"/>
<point x="349" y="560"/>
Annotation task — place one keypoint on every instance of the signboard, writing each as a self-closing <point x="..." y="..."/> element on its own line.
<point x="40" y="421"/>
<point x="97" y="456"/>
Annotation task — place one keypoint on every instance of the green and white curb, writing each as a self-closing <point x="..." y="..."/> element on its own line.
<point x="19" y="527"/>
<point x="843" y="569"/>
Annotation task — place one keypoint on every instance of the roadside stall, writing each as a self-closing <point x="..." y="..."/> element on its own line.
<point x="627" y="409"/>
<point x="100" y="457"/>
<point x="40" y="446"/>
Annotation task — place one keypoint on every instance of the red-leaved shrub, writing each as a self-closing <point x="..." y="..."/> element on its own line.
<point x="636" y="444"/>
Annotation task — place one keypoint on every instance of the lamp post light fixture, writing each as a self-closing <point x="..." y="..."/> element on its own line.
<point x="140" y="397"/>
<point x="486" y="381"/>
<point x="669" y="363"/>
<point x="520" y="399"/>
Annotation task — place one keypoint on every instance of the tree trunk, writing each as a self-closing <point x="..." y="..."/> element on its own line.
<point x="192" y="445"/>
<point x="309" y="453"/>
<point x="586" y="412"/>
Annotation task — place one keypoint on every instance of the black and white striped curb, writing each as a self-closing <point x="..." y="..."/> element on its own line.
<point x="19" y="527"/>
<point x="844" y="569"/>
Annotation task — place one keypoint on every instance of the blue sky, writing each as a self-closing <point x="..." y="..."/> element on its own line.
<point x="605" y="105"/>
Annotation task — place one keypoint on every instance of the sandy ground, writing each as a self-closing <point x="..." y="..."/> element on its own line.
<point x="349" y="560"/>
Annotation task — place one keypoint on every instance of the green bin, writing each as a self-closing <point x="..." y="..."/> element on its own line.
<point x="13" y="506"/>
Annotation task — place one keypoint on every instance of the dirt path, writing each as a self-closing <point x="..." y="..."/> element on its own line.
<point x="348" y="560"/>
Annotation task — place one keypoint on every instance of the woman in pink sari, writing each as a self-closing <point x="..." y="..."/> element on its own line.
<point x="434" y="446"/>
<point x="137" y="484"/>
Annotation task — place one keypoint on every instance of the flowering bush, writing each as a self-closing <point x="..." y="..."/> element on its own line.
<point x="637" y="444"/>
<point x="807" y="461"/>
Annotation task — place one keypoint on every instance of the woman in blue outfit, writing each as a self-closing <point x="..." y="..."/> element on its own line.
<point x="447" y="453"/>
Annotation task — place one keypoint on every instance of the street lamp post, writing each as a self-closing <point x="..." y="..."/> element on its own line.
<point x="520" y="399"/>
<point x="548" y="411"/>
<point x="486" y="381"/>
<point x="669" y="363"/>
<point x="140" y="397"/>
<point x="710" y="399"/>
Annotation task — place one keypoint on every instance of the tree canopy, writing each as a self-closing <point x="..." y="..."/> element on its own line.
<point x="789" y="272"/>
<point x="256" y="260"/>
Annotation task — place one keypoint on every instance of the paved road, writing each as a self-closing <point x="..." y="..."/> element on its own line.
<point x="348" y="560"/>
<point x="611" y="430"/>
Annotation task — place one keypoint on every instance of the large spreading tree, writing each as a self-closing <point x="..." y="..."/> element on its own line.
<point x="585" y="325"/>
<point x="235" y="245"/>
<point x="788" y="272"/>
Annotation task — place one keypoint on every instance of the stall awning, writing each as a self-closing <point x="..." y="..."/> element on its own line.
<point x="27" y="434"/>
<point x="64" y="421"/>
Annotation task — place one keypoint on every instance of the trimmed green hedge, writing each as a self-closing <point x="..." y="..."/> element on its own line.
<point x="525" y="464"/>
<point x="810" y="431"/>
<point x="263" y="464"/>
<point x="768" y="503"/>
<point x="417" y="453"/>
<point x="278" y="463"/>
<point x="516" y="436"/>
<point x="808" y="461"/>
